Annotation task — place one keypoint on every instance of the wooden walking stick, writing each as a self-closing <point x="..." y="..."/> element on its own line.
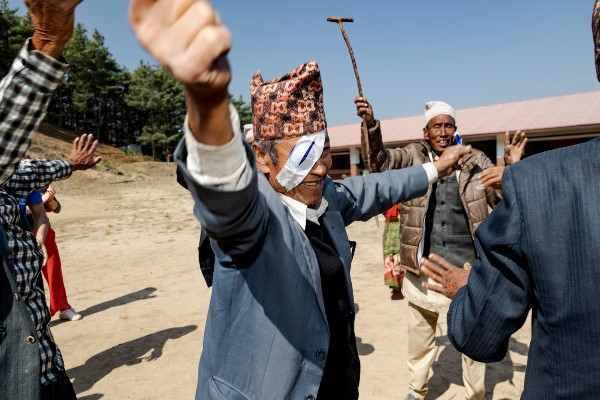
<point x="360" y="93"/>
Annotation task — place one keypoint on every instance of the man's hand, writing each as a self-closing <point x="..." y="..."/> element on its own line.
<point x="451" y="159"/>
<point x="53" y="21"/>
<point x="492" y="177"/>
<point x="365" y="111"/>
<point x="82" y="154"/>
<point x="187" y="37"/>
<point x="450" y="277"/>
<point x="513" y="150"/>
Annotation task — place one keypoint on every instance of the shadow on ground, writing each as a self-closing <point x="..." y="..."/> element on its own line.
<point x="144" y="294"/>
<point x="448" y="369"/>
<point x="95" y="396"/>
<point x="364" y="349"/>
<point x="128" y="353"/>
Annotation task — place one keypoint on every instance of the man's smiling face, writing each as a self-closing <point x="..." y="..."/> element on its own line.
<point x="310" y="190"/>
<point x="440" y="133"/>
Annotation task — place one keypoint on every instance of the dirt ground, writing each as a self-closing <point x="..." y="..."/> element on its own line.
<point x="128" y="245"/>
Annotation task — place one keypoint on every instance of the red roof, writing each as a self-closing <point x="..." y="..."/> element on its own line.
<point x="545" y="114"/>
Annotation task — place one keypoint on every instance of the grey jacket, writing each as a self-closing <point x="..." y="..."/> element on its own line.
<point x="412" y="213"/>
<point x="266" y="331"/>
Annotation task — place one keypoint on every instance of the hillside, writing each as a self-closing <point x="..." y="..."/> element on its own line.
<point x="116" y="166"/>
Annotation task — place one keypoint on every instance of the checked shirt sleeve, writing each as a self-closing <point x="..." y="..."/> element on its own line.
<point x="24" y="96"/>
<point x="36" y="174"/>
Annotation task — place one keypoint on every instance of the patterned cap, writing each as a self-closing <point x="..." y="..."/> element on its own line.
<point x="288" y="106"/>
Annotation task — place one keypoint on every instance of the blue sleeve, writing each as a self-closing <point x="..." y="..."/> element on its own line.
<point x="34" y="197"/>
<point x="363" y="197"/>
<point x="235" y="219"/>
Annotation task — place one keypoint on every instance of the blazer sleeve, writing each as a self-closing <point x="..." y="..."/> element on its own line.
<point x="363" y="197"/>
<point x="235" y="220"/>
<point x="495" y="302"/>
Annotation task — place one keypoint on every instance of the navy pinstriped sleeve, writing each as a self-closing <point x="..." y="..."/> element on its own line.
<point x="495" y="302"/>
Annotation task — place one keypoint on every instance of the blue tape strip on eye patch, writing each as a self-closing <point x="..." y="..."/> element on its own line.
<point x="301" y="161"/>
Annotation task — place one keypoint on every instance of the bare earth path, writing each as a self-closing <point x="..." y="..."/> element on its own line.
<point x="130" y="266"/>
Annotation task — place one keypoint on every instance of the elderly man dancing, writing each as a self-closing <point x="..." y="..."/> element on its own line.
<point x="281" y="317"/>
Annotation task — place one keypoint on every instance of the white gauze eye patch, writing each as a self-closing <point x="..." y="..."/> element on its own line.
<point x="303" y="157"/>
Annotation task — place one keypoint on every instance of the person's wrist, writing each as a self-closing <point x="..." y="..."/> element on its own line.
<point x="49" y="47"/>
<point x="441" y="167"/>
<point x="207" y="115"/>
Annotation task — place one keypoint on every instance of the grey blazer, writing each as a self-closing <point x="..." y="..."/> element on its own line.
<point x="19" y="358"/>
<point x="266" y="334"/>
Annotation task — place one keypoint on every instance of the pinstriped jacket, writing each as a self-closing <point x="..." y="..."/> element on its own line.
<point x="540" y="252"/>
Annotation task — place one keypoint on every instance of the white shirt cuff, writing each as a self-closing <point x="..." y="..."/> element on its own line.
<point x="215" y="165"/>
<point x="431" y="171"/>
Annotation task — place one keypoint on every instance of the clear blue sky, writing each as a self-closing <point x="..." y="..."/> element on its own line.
<point x="467" y="52"/>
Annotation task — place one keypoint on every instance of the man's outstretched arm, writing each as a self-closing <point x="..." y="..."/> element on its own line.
<point x="36" y="72"/>
<point x="37" y="174"/>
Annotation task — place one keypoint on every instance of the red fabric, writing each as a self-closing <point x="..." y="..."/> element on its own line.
<point x="53" y="274"/>
<point x="392" y="213"/>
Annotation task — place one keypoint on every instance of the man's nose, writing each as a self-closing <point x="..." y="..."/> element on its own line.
<point x="319" y="168"/>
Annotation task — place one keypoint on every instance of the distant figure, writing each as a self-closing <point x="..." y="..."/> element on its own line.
<point x="35" y="219"/>
<point x="53" y="268"/>
<point x="393" y="272"/>
<point x="170" y="157"/>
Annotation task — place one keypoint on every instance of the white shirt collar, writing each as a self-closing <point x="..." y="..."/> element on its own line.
<point x="300" y="210"/>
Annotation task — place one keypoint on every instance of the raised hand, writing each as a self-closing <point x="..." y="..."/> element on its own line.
<point x="82" y="153"/>
<point x="451" y="159"/>
<point x="449" y="277"/>
<point x="54" y="23"/>
<point x="187" y="37"/>
<point x="364" y="110"/>
<point x="513" y="150"/>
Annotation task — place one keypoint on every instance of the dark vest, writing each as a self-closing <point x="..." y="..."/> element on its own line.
<point x="342" y="366"/>
<point x="19" y="358"/>
<point x="446" y="225"/>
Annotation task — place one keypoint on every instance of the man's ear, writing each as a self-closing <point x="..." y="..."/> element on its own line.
<point x="263" y="160"/>
<point x="425" y="135"/>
